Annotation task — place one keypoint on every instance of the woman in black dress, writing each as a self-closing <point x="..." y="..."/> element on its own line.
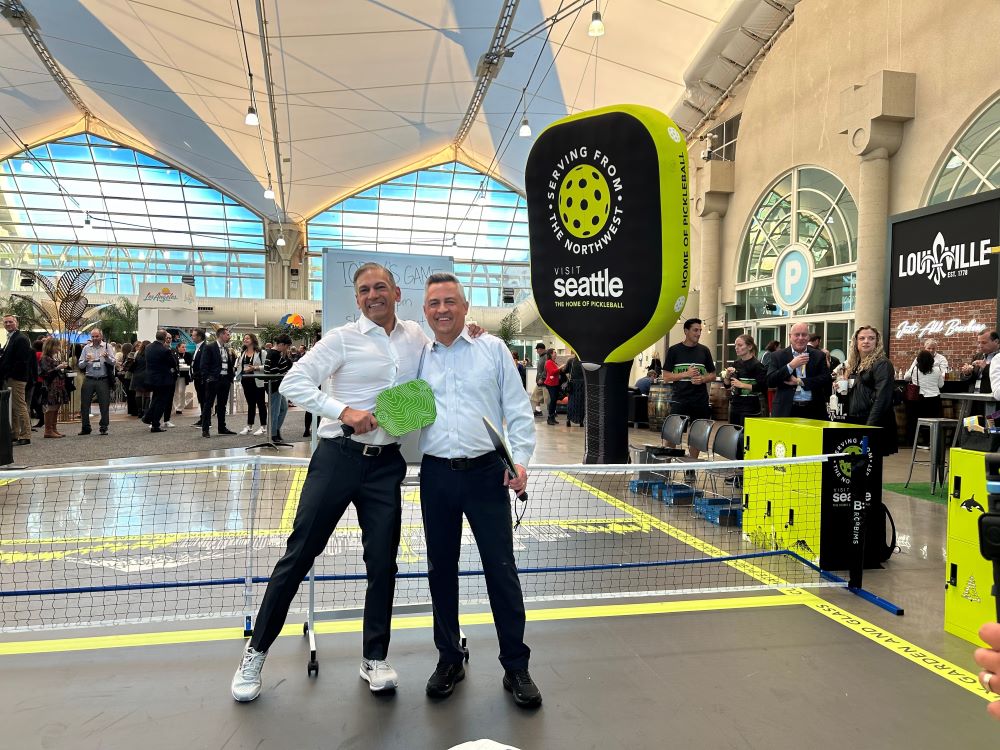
<point x="747" y="381"/>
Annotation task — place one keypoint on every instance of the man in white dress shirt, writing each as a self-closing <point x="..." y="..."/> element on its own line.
<point x="365" y="468"/>
<point x="461" y="473"/>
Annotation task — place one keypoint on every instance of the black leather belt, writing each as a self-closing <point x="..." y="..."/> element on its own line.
<point x="464" y="464"/>
<point x="363" y="448"/>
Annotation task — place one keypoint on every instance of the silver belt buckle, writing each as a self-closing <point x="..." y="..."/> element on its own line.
<point x="371" y="450"/>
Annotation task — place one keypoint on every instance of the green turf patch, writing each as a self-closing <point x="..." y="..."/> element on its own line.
<point x="920" y="490"/>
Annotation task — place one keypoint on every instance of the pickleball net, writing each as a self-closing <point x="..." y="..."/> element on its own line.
<point x="197" y="539"/>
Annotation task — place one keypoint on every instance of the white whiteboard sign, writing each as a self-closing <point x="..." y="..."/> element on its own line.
<point x="411" y="272"/>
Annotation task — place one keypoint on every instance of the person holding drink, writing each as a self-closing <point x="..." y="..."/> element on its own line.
<point x="747" y="381"/>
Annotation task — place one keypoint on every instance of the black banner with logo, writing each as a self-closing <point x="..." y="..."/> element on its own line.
<point x="945" y="256"/>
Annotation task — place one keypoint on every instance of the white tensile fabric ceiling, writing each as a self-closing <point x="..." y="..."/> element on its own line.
<point x="362" y="89"/>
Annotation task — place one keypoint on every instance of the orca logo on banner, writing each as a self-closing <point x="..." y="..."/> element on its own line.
<point x="607" y="195"/>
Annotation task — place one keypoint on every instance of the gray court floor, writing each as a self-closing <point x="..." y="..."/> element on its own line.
<point x="783" y="677"/>
<point x="746" y="678"/>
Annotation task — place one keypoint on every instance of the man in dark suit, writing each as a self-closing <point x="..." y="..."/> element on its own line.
<point x="161" y="370"/>
<point x="198" y="336"/>
<point x="801" y="377"/>
<point x="216" y="371"/>
<point x="15" y="374"/>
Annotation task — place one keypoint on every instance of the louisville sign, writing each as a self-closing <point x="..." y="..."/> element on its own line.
<point x="608" y="218"/>
<point x="944" y="255"/>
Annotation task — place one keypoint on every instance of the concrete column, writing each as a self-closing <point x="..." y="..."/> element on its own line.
<point x="872" y="116"/>
<point x="282" y="259"/>
<point x="873" y="211"/>
<point x="714" y="184"/>
<point x="711" y="277"/>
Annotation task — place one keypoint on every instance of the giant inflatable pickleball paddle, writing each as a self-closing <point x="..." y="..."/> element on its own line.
<point x="607" y="195"/>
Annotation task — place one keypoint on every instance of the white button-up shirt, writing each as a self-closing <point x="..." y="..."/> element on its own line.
<point x="363" y="361"/>
<point x="471" y="379"/>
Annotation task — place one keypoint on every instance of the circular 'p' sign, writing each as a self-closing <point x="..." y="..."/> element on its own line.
<point x="792" y="281"/>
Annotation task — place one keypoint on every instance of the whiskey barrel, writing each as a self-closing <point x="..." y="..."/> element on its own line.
<point x="659" y="405"/>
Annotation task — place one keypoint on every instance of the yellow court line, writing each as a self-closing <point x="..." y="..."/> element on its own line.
<point x="941" y="667"/>
<point x="161" y="538"/>
<point x="409" y="622"/>
<point x="699" y="544"/>
<point x="292" y="501"/>
<point x="912" y="653"/>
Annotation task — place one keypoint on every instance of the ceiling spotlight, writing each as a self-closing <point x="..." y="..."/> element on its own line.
<point x="596" y="25"/>
<point x="525" y="130"/>
<point x="280" y="242"/>
<point x="268" y="193"/>
<point x="28" y="166"/>
<point x="252" y="120"/>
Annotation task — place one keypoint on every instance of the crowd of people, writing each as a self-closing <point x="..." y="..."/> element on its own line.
<point x="804" y="379"/>
<point x="154" y="379"/>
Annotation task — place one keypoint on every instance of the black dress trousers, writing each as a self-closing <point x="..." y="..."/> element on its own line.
<point x="478" y="492"/>
<point x="339" y="475"/>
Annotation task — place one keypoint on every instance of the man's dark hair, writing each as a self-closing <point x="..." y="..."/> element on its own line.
<point x="220" y="331"/>
<point x="283" y="338"/>
<point x="995" y="336"/>
<point x="815" y="338"/>
<point x="690" y="322"/>
<point x="198" y="334"/>
<point x="540" y="345"/>
<point x="365" y="267"/>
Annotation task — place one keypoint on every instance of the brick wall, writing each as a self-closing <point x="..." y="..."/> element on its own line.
<point x="958" y="348"/>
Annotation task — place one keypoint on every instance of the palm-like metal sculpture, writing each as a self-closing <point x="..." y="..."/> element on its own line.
<point x="66" y="309"/>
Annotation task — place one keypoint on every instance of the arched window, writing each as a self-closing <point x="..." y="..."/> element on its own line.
<point x="450" y="209"/>
<point x="973" y="164"/>
<point x="85" y="201"/>
<point x="811" y="208"/>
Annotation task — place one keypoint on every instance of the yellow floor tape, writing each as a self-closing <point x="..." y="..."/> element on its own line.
<point x="935" y="664"/>
<point x="59" y="645"/>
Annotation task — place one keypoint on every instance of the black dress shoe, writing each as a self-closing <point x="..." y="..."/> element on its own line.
<point x="85" y="431"/>
<point x="522" y="687"/>
<point x="277" y="438"/>
<point x="156" y="429"/>
<point x="307" y="433"/>
<point x="225" y="431"/>
<point x="104" y="430"/>
<point x="442" y="683"/>
<point x="206" y="433"/>
<point x="22" y="441"/>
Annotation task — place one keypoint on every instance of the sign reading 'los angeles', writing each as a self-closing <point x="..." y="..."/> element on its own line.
<point x="608" y="219"/>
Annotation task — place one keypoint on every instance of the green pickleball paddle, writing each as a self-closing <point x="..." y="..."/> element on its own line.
<point x="405" y="407"/>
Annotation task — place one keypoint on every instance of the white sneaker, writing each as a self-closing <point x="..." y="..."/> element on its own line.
<point x="260" y="431"/>
<point x="246" y="681"/>
<point x="246" y="430"/>
<point x="377" y="672"/>
<point x="169" y="424"/>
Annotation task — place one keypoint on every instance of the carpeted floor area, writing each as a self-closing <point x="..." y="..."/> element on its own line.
<point x="919" y="490"/>
<point x="129" y="438"/>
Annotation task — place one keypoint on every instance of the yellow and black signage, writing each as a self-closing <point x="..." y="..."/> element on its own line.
<point x="607" y="194"/>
